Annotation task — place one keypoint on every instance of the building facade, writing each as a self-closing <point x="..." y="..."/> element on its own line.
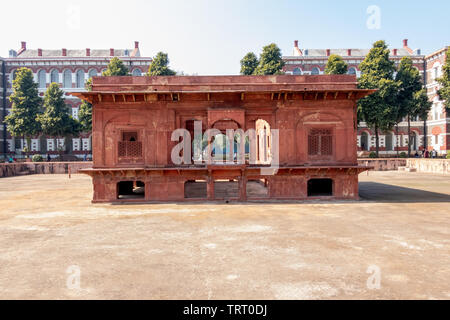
<point x="430" y="134"/>
<point x="70" y="69"/>
<point x="301" y="131"/>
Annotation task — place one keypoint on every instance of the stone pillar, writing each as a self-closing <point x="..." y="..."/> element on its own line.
<point x="242" y="188"/>
<point x="210" y="188"/>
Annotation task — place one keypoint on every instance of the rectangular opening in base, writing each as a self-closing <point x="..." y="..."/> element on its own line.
<point x="130" y="190"/>
<point x="226" y="189"/>
<point x="257" y="188"/>
<point x="320" y="187"/>
<point x="195" y="189"/>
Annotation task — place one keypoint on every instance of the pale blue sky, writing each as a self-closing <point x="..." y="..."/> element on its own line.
<point x="211" y="36"/>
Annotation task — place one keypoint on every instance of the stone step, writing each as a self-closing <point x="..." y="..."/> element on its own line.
<point x="407" y="169"/>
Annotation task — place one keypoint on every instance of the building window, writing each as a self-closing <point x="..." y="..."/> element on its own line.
<point x="67" y="79"/>
<point x="136" y="72"/>
<point x="54" y="76"/>
<point x="41" y="79"/>
<point x="297" y="71"/>
<point x="130" y="147"/>
<point x="92" y="73"/>
<point x="80" y="79"/>
<point x="86" y="144"/>
<point x="315" y="71"/>
<point x="50" y="145"/>
<point x="76" y="144"/>
<point x="75" y="113"/>
<point x="320" y="142"/>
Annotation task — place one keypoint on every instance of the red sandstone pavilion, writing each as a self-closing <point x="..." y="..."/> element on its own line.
<point x="315" y="146"/>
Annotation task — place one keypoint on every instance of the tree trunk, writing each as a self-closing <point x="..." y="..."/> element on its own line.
<point x="396" y="139"/>
<point x="376" y="141"/>
<point x="409" y="137"/>
<point x="425" y="138"/>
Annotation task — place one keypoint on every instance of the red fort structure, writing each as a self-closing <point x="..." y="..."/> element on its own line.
<point x="312" y="156"/>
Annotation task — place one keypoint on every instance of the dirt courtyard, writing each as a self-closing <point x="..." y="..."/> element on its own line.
<point x="393" y="244"/>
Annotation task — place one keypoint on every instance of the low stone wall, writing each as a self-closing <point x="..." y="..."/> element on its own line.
<point x="383" y="164"/>
<point x="438" y="166"/>
<point x="22" y="168"/>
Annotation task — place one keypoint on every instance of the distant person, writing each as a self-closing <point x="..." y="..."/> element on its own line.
<point x="10" y="159"/>
<point x="426" y="154"/>
<point x="48" y="158"/>
<point x="85" y="157"/>
<point x="416" y="155"/>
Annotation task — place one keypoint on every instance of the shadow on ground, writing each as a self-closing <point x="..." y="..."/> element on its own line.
<point x="381" y="192"/>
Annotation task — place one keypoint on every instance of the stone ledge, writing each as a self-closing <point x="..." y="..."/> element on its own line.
<point x="23" y="168"/>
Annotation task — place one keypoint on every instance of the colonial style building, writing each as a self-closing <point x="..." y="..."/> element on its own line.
<point x="70" y="69"/>
<point x="435" y="129"/>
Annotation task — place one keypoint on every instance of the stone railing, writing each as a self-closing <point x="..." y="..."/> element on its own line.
<point x="383" y="164"/>
<point x="438" y="166"/>
<point x="23" y="168"/>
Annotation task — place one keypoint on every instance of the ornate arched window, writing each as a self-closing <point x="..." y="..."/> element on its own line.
<point x="54" y="76"/>
<point x="297" y="72"/>
<point x="315" y="71"/>
<point x="41" y="78"/>
<point x="80" y="79"/>
<point x="137" y="72"/>
<point x="67" y="79"/>
<point x="92" y="73"/>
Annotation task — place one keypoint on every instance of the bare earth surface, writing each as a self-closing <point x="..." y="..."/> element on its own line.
<point x="311" y="250"/>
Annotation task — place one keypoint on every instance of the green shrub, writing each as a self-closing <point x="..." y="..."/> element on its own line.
<point x="37" y="158"/>
<point x="402" y="154"/>
<point x="448" y="155"/>
<point x="372" y="154"/>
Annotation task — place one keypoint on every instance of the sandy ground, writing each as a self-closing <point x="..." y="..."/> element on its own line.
<point x="54" y="244"/>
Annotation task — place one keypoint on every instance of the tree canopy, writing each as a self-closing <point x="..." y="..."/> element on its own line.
<point x="336" y="65"/>
<point x="270" y="61"/>
<point x="116" y="67"/>
<point x="85" y="112"/>
<point x="160" y="66"/>
<point x="379" y="110"/>
<point x="410" y="82"/>
<point x="55" y="120"/>
<point x="249" y="64"/>
<point x="26" y="105"/>
<point x="444" y="91"/>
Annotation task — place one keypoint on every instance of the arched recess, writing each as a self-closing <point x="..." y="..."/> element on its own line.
<point x="264" y="143"/>
<point x="320" y="122"/>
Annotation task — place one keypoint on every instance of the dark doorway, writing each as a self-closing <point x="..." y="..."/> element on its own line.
<point x="320" y="187"/>
<point x="130" y="190"/>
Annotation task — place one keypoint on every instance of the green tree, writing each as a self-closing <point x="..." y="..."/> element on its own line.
<point x="85" y="113"/>
<point x="422" y="106"/>
<point x="336" y="65"/>
<point x="249" y="64"/>
<point x="55" y="120"/>
<point x="26" y="106"/>
<point x="160" y="66"/>
<point x="444" y="91"/>
<point x="116" y="67"/>
<point x="270" y="61"/>
<point x="379" y="110"/>
<point x="410" y="82"/>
